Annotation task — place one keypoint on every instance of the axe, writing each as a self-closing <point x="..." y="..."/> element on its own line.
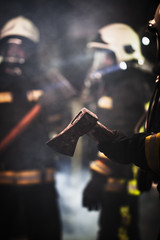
<point x="85" y="122"/>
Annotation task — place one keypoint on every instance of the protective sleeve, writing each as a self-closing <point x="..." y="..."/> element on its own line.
<point x="126" y="150"/>
<point x="152" y="152"/>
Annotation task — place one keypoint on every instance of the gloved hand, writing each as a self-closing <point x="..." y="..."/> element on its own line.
<point x="112" y="143"/>
<point x="92" y="194"/>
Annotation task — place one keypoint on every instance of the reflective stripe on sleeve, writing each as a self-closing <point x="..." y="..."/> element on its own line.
<point x="6" y="97"/>
<point x="152" y="148"/>
<point x="100" y="167"/>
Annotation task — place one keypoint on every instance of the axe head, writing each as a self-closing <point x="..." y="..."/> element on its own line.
<point x="65" y="142"/>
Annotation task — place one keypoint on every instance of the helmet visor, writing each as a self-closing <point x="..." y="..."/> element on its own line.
<point x="15" y="50"/>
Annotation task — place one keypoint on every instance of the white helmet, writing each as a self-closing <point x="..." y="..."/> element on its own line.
<point x="20" y="26"/>
<point x="122" y="40"/>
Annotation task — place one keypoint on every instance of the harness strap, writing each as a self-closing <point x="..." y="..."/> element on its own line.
<point x="20" y="127"/>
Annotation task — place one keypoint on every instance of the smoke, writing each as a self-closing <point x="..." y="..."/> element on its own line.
<point x="78" y="222"/>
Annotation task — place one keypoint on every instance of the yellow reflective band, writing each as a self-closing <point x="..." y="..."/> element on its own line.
<point x="105" y="102"/>
<point x="152" y="147"/>
<point x="125" y="213"/>
<point x="135" y="171"/>
<point x="132" y="187"/>
<point x="142" y="129"/>
<point x="147" y="144"/>
<point x="6" y="97"/>
<point x="146" y="106"/>
<point x="122" y="234"/>
<point x="124" y="223"/>
<point x="100" y="167"/>
<point x="157" y="148"/>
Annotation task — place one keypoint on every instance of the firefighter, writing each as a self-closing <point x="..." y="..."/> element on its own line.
<point x="117" y="88"/>
<point x="142" y="149"/>
<point x="30" y="101"/>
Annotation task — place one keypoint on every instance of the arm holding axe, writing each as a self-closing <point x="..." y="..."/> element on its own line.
<point x="114" y="144"/>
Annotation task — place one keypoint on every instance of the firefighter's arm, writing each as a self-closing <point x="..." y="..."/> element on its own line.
<point x="152" y="152"/>
<point x="142" y="149"/>
<point x="120" y="148"/>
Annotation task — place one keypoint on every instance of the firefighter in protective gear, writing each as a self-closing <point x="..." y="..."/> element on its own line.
<point x="116" y="90"/>
<point x="19" y="41"/>
<point x="20" y="26"/>
<point x="30" y="100"/>
<point x="144" y="178"/>
<point x="127" y="48"/>
<point x="142" y="149"/>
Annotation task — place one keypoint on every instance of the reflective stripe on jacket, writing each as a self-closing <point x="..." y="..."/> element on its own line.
<point x="152" y="151"/>
<point x="114" y="184"/>
<point x="26" y="177"/>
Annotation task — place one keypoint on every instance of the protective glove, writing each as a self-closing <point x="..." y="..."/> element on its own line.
<point x="120" y="148"/>
<point x="112" y="143"/>
<point x="92" y="194"/>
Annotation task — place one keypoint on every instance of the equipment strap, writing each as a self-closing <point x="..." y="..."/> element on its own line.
<point x="20" y="127"/>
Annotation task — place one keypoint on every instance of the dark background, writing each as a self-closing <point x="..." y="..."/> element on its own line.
<point x="67" y="25"/>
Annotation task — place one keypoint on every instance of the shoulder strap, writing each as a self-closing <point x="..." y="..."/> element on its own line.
<point x="20" y="127"/>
